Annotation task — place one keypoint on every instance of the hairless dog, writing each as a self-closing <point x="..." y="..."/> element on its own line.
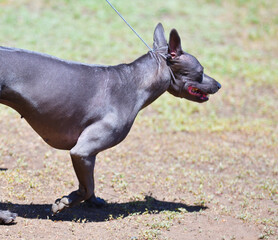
<point x="89" y="108"/>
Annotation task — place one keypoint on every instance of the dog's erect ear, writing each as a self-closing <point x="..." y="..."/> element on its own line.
<point x="159" y="39"/>
<point x="174" y="44"/>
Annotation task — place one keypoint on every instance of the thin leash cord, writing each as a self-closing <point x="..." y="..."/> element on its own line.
<point x="165" y="58"/>
<point x="151" y="50"/>
<point x="129" y="26"/>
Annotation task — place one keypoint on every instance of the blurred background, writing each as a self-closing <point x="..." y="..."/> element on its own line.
<point x="235" y="41"/>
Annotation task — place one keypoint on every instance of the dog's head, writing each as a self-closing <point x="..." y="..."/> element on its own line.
<point x="189" y="80"/>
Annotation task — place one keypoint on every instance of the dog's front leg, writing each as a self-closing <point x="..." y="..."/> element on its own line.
<point x="93" y="139"/>
<point x="84" y="169"/>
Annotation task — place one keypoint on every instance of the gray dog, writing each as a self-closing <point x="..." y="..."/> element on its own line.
<point x="88" y="108"/>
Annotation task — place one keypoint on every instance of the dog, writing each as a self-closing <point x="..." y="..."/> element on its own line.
<point x="89" y="108"/>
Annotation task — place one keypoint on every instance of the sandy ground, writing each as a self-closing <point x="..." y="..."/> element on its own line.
<point x="157" y="186"/>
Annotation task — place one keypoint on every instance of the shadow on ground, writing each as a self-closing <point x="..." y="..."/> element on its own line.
<point x="83" y="213"/>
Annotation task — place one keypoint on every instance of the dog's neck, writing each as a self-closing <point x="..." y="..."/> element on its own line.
<point x="154" y="79"/>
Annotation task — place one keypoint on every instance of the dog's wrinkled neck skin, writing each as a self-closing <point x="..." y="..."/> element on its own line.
<point x="155" y="77"/>
<point x="152" y="82"/>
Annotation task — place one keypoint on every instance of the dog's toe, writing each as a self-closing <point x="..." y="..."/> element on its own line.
<point x="54" y="208"/>
<point x="60" y="204"/>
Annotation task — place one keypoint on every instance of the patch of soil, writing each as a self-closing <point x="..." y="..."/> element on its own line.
<point x="157" y="186"/>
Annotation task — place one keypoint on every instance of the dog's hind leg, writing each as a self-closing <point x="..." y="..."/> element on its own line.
<point x="6" y="217"/>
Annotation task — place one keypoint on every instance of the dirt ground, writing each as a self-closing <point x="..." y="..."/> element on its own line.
<point x="186" y="171"/>
<point x="169" y="185"/>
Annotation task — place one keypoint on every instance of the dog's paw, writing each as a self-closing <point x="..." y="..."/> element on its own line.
<point x="60" y="204"/>
<point x="7" y="217"/>
<point x="71" y="200"/>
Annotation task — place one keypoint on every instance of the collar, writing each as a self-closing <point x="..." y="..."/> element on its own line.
<point x="161" y="52"/>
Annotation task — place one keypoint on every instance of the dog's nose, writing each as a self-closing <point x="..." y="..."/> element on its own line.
<point x="218" y="85"/>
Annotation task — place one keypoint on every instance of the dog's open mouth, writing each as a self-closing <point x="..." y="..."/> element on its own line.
<point x="198" y="93"/>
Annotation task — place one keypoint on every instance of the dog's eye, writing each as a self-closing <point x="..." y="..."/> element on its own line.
<point x="200" y="77"/>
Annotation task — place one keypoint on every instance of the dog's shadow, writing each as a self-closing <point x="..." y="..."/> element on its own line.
<point x="83" y="213"/>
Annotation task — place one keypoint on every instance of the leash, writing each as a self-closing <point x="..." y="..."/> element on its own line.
<point x="129" y="26"/>
<point x="151" y="50"/>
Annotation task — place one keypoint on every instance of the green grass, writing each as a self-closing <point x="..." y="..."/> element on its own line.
<point x="235" y="43"/>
